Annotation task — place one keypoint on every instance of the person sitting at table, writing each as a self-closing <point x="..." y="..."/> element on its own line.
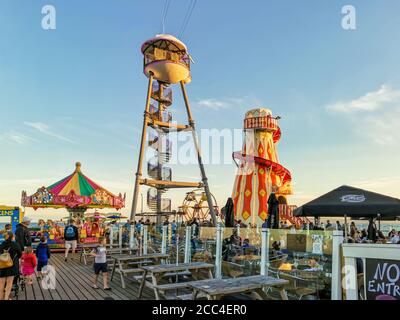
<point x="395" y="238"/>
<point x="391" y="233"/>
<point x="276" y="249"/>
<point x="364" y="235"/>
<point x="246" y="244"/>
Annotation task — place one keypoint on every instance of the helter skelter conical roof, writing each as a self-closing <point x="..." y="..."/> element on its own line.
<point x="75" y="190"/>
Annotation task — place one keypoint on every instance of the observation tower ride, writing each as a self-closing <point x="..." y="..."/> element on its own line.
<point x="166" y="62"/>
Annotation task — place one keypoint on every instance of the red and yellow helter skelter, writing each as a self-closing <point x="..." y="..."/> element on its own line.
<point x="76" y="193"/>
<point x="259" y="170"/>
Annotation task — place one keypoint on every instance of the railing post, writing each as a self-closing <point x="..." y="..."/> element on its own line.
<point x="177" y="248"/>
<point x="141" y="239"/>
<point x="188" y="237"/>
<point x="336" y="289"/>
<point x="132" y="237"/>
<point x="164" y="240"/>
<point x="218" y="252"/>
<point x="111" y="236"/>
<point x="120" y="237"/>
<point x="144" y="239"/>
<point x="169" y="234"/>
<point x="264" y="252"/>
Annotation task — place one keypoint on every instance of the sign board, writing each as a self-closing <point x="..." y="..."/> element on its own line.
<point x="297" y="242"/>
<point x="382" y="279"/>
<point x="13" y="213"/>
<point x="317" y="245"/>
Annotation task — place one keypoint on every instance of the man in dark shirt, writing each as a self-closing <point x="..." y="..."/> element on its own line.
<point x="22" y="233"/>
<point x="71" y="236"/>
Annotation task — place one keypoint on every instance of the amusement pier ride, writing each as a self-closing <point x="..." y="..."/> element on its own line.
<point x="259" y="171"/>
<point x="166" y="62"/>
<point x="76" y="193"/>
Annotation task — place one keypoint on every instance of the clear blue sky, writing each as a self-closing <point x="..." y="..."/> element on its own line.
<point x="77" y="93"/>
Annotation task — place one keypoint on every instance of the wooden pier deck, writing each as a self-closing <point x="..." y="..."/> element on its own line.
<point x="74" y="282"/>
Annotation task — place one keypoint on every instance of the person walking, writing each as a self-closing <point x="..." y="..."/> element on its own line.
<point x="9" y="269"/>
<point x="42" y="254"/>
<point x="71" y="236"/>
<point x="22" y="233"/>
<point x="100" y="264"/>
<point x="29" y="263"/>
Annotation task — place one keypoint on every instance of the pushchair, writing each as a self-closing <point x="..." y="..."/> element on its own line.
<point x="18" y="286"/>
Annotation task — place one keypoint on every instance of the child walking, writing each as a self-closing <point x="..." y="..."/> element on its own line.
<point x="100" y="264"/>
<point x="43" y="255"/>
<point x="29" y="263"/>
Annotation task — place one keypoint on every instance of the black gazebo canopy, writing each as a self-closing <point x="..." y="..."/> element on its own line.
<point x="351" y="202"/>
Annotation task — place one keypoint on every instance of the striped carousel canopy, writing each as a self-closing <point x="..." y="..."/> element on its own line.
<point x="77" y="182"/>
<point x="75" y="190"/>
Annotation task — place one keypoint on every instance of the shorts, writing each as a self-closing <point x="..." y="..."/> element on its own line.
<point x="100" y="267"/>
<point x="41" y="265"/>
<point x="71" y="244"/>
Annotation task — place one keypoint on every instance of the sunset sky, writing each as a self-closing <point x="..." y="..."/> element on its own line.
<point x="77" y="93"/>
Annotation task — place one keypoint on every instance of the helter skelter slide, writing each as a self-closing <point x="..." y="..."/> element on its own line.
<point x="259" y="171"/>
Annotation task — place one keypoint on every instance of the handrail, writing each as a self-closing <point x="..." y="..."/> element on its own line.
<point x="267" y="122"/>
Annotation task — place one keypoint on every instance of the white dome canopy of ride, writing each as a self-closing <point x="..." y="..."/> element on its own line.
<point x="172" y="43"/>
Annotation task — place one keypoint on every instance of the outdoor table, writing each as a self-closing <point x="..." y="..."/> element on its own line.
<point x="86" y="249"/>
<point x="157" y="272"/>
<point x="215" y="289"/>
<point x="130" y="258"/>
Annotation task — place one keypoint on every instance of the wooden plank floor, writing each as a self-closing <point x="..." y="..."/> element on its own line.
<point x="74" y="282"/>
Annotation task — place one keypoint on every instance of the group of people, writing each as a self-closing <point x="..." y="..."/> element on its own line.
<point x="19" y="261"/>
<point x="18" y="257"/>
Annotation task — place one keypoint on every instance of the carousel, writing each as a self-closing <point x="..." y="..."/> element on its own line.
<point x="76" y="193"/>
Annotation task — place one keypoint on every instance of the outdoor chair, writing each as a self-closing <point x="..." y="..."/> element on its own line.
<point x="203" y="256"/>
<point x="231" y="269"/>
<point x="294" y="287"/>
<point x="276" y="262"/>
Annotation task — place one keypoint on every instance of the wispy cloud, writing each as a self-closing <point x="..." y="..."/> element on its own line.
<point x="371" y="101"/>
<point x="375" y="115"/>
<point x="15" y="137"/>
<point x="219" y="104"/>
<point x="45" y="129"/>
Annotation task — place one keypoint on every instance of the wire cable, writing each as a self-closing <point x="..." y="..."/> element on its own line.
<point x="187" y="17"/>
<point x="164" y="14"/>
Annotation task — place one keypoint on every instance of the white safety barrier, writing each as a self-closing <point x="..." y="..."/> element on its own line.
<point x="188" y="238"/>
<point x="218" y="252"/>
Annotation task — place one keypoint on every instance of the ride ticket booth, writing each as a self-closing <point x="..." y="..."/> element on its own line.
<point x="15" y="215"/>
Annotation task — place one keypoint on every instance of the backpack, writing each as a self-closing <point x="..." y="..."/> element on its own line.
<point x="5" y="260"/>
<point x="70" y="232"/>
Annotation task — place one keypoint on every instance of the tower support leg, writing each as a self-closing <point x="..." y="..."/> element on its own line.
<point x="141" y="152"/>
<point x="199" y="158"/>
